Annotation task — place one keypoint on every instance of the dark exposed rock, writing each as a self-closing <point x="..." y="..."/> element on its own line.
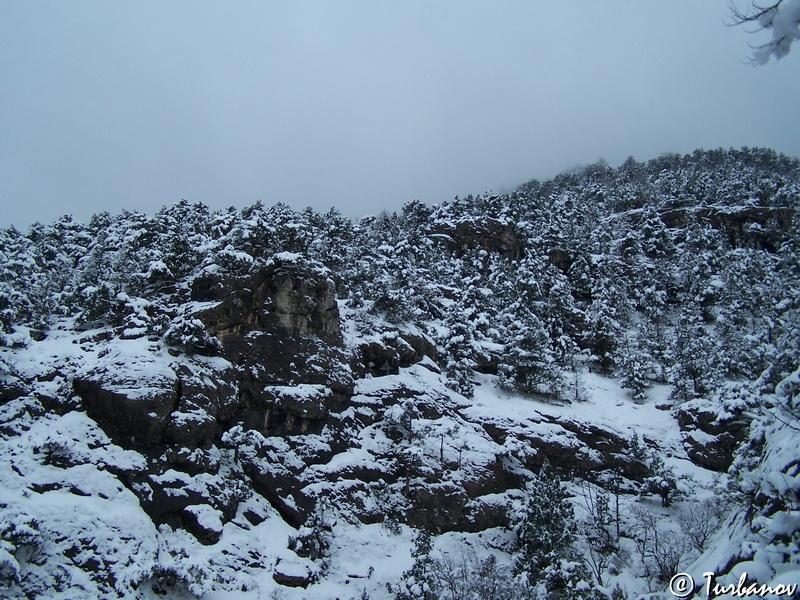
<point x="286" y="296"/>
<point x="138" y="410"/>
<point x="41" y="488"/>
<point x="487" y="362"/>
<point x="37" y="335"/>
<point x="490" y="479"/>
<point x="438" y="507"/>
<point x="11" y="389"/>
<point x="190" y="429"/>
<point x="487" y="234"/>
<point x="203" y="522"/>
<point x="560" y="258"/>
<point x="711" y="438"/>
<point x="393" y="350"/>
<point x="443" y="494"/>
<point x="307" y="401"/>
<point x="742" y="226"/>
<point x="709" y="451"/>
<point x="483" y="513"/>
<point x="201" y="505"/>
<point x="286" y="410"/>
<point x="377" y="359"/>
<point x="253" y="517"/>
<point x="277" y="483"/>
<point x="182" y="406"/>
<point x="381" y="468"/>
<point x="166" y="497"/>
<point x="206" y="398"/>
<point x="418" y="347"/>
<point x="293" y="577"/>
<point x="192" y="461"/>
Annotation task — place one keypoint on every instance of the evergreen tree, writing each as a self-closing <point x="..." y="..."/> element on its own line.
<point x="459" y="351"/>
<point x="656" y="239"/>
<point x="748" y="317"/>
<point x="580" y="278"/>
<point x="530" y="364"/>
<point x="696" y="357"/>
<point x="635" y="366"/>
<point x="698" y="267"/>
<point x="606" y="317"/>
<point x="546" y="532"/>
<point x="18" y="270"/>
<point x="547" y="528"/>
<point x="419" y="582"/>
<point x="315" y="538"/>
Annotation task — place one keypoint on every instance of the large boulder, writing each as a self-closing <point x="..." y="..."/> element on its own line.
<point x="153" y="399"/>
<point x="133" y="401"/>
<point x="387" y="352"/>
<point x="711" y="434"/>
<point x="208" y="397"/>
<point x="11" y="388"/>
<point x="203" y="522"/>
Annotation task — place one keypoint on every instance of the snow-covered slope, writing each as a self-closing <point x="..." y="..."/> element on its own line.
<point x="76" y="528"/>
<point x="573" y="391"/>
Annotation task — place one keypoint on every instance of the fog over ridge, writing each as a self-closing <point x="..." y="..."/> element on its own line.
<point x="361" y="106"/>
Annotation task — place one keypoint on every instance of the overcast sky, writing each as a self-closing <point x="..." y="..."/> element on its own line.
<point x="361" y="105"/>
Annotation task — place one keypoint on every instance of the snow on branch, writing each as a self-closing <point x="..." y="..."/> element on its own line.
<point x="781" y="17"/>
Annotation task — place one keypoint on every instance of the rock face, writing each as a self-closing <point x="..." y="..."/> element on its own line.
<point x="284" y="296"/>
<point x="402" y="450"/>
<point x="742" y="226"/>
<point x="280" y="327"/>
<point x="297" y="411"/>
<point x="140" y="410"/>
<point x="281" y="372"/>
<point x="711" y="439"/>
<point x="583" y="449"/>
<point x="487" y="234"/>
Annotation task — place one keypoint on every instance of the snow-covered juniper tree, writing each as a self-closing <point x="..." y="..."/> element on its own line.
<point x="530" y="364"/>
<point x="695" y="367"/>
<point x="547" y="530"/>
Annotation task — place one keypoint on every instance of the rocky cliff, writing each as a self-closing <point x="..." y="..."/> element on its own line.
<point x="306" y="409"/>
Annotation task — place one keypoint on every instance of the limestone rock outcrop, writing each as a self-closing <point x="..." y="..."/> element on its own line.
<point x="487" y="234"/>
<point x="711" y="438"/>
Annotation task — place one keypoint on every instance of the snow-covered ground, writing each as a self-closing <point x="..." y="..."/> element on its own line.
<point x="74" y="528"/>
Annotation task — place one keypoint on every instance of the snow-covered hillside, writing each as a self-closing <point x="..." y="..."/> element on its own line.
<point x="577" y="390"/>
<point x="76" y="529"/>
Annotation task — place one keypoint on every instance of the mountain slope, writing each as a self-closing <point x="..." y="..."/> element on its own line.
<point x="271" y="402"/>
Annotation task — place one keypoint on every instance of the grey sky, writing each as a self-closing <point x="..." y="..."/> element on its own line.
<point x="361" y="105"/>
